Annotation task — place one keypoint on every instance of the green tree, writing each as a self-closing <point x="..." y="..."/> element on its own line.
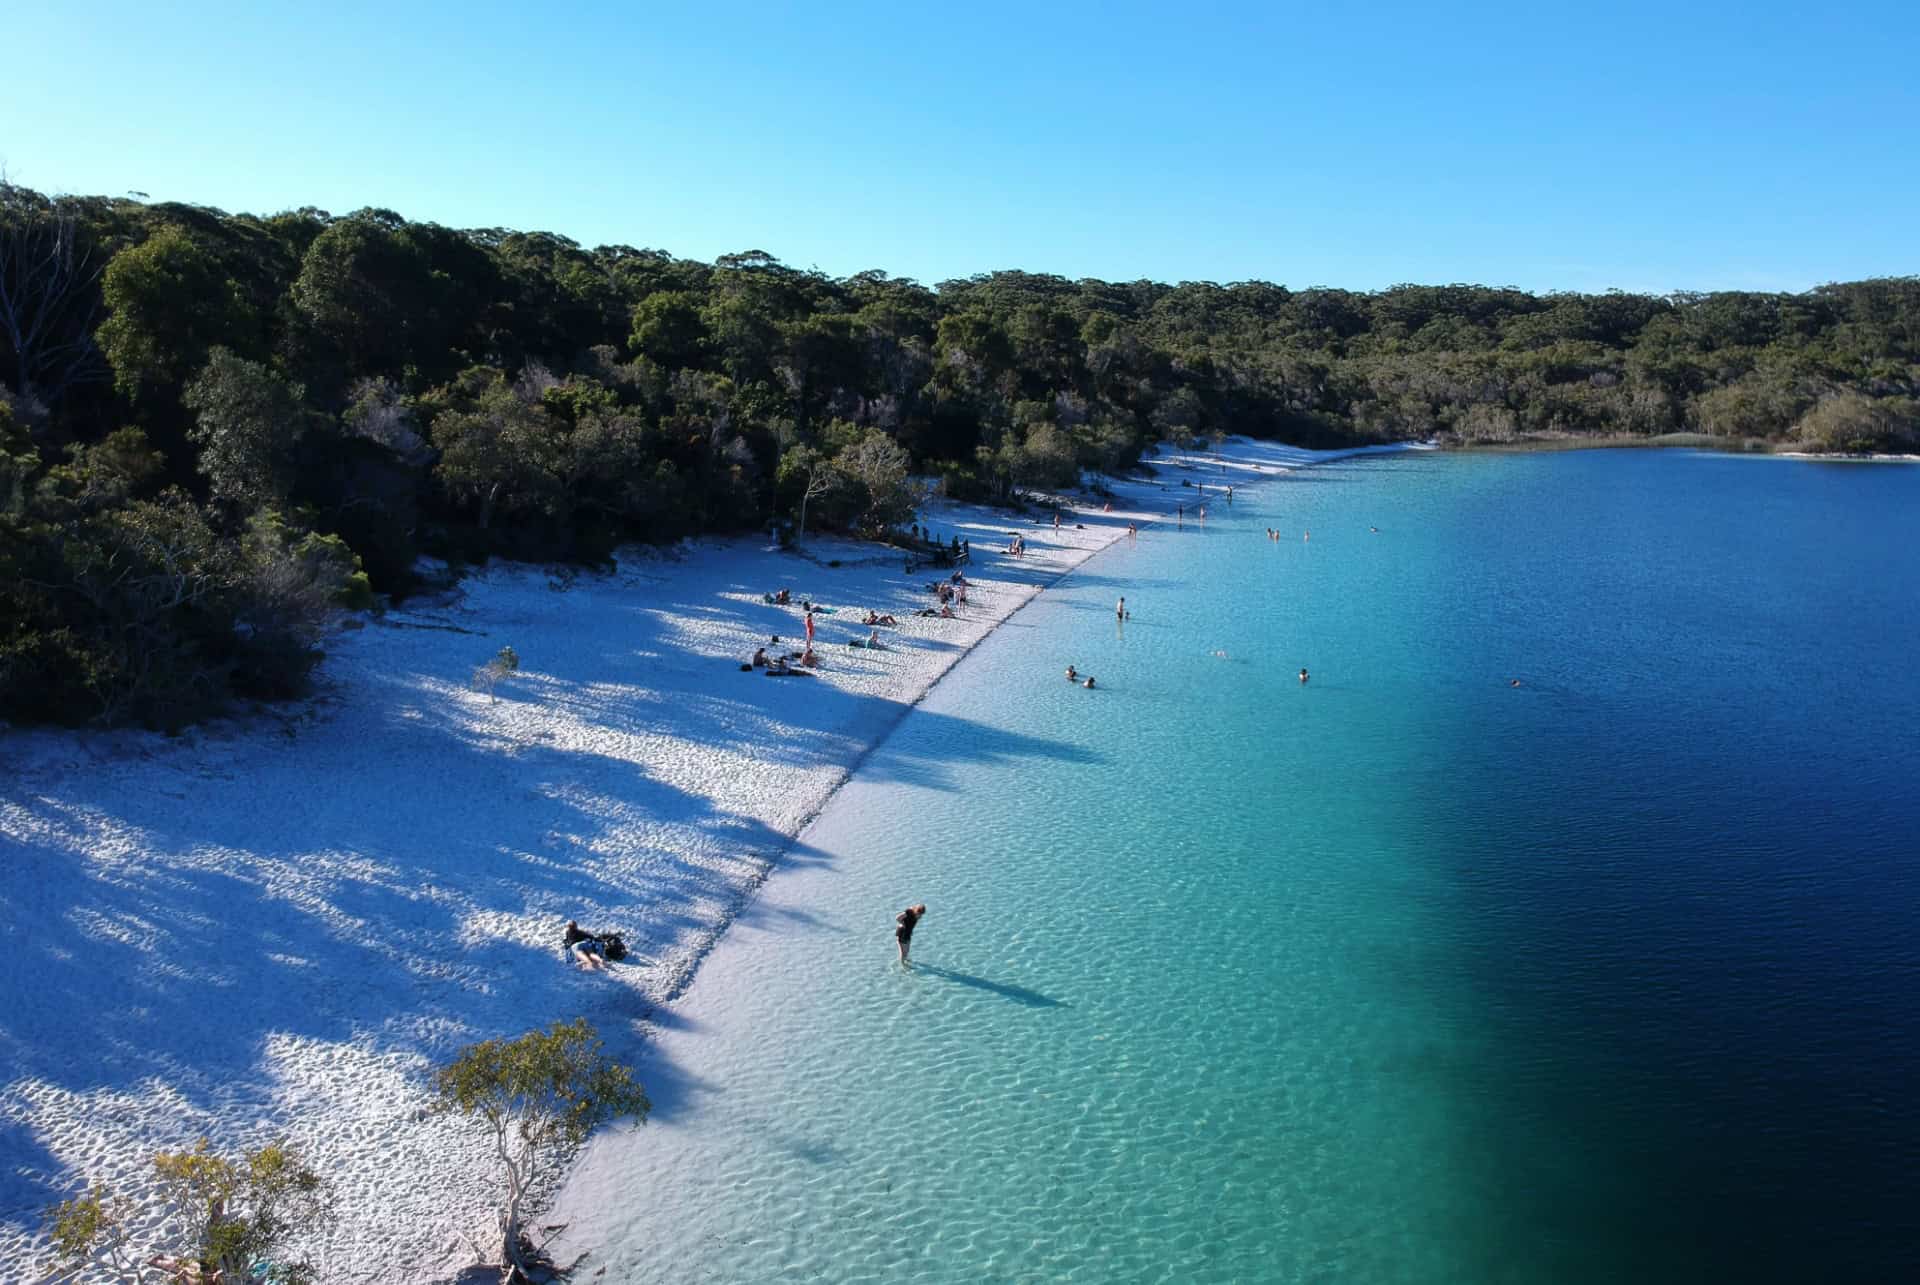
<point x="168" y="305"/>
<point x="1851" y="423"/>
<point x="246" y="422"/>
<point x="879" y="467"/>
<point x="809" y="474"/>
<point x="538" y="1097"/>
<point x="667" y="329"/>
<point x="503" y="452"/>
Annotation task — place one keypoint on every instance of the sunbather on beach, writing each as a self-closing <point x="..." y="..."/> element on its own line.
<point x="759" y="657"/>
<point x="808" y="659"/>
<point x="584" y="947"/>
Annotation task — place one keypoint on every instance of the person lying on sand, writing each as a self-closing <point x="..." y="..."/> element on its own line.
<point x="808" y="659"/>
<point x="584" y="947"/>
<point x="946" y="612"/>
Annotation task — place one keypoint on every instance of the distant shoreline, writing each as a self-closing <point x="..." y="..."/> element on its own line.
<point x="1670" y="441"/>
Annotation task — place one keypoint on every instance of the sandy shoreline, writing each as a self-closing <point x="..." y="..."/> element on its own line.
<point x="279" y="924"/>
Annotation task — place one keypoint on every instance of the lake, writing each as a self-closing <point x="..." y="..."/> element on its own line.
<point x="1405" y="973"/>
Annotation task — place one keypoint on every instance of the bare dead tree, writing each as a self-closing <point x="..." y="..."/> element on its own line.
<point x="49" y="297"/>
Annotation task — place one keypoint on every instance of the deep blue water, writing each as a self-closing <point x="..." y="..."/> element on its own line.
<point x="1406" y="974"/>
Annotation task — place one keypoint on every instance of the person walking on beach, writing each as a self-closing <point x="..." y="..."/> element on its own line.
<point x="903" y="924"/>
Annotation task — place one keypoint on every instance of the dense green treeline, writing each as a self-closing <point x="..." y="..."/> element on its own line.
<point x="213" y="426"/>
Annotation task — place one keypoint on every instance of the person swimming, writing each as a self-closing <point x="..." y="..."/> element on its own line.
<point x="1303" y="674"/>
<point x="1089" y="683"/>
<point x="1072" y="674"/>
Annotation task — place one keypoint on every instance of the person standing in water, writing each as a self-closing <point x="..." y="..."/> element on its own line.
<point x="903" y="924"/>
<point x="1120" y="610"/>
<point x="1303" y="674"/>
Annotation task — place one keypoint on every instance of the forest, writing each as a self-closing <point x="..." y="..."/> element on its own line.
<point x="216" y="430"/>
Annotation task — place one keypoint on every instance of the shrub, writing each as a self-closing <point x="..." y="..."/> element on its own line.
<point x="226" y="1218"/>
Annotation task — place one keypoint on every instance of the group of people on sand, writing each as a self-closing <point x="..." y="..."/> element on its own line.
<point x="947" y="592"/>
<point x="781" y="664"/>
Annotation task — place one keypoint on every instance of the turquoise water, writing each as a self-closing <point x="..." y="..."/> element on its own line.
<point x="1405" y="974"/>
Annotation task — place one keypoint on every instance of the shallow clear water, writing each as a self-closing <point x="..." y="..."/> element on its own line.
<point x="1402" y="975"/>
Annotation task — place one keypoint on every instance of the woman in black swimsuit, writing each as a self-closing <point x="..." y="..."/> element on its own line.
<point x="903" y="928"/>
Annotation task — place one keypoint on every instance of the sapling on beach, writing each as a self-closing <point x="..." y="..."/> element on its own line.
<point x="488" y="676"/>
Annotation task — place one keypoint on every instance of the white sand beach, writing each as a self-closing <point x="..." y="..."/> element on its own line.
<point x="276" y="926"/>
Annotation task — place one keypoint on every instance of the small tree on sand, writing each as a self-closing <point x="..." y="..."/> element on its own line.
<point x="487" y="677"/>
<point x="539" y="1096"/>
<point x="227" y="1218"/>
<point x="811" y="474"/>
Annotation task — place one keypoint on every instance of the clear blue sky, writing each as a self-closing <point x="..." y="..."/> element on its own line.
<point x="1678" y="145"/>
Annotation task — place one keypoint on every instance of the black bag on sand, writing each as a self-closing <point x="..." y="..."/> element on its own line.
<point x="614" y="947"/>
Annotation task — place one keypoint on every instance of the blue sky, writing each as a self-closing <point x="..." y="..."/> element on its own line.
<point x="1650" y="147"/>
